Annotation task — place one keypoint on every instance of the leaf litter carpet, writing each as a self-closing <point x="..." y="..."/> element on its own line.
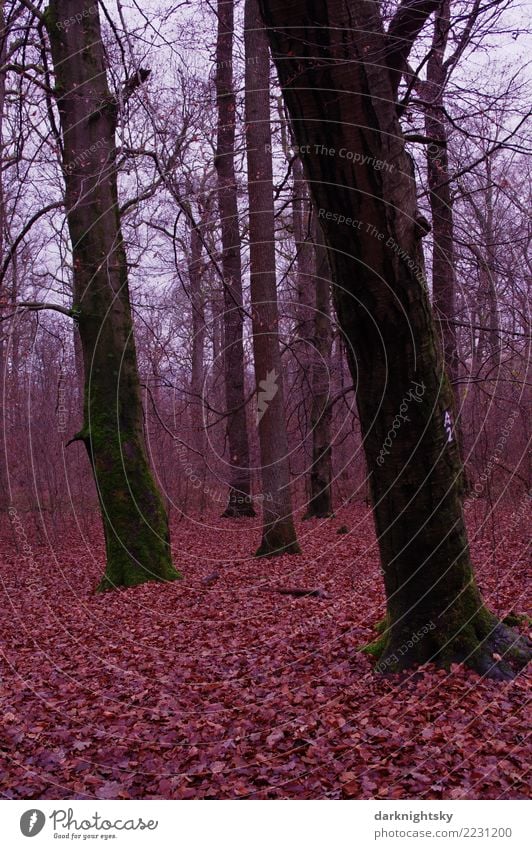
<point x="219" y="686"/>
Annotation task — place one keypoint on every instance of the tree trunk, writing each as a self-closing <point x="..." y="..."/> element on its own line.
<point x="279" y="536"/>
<point x="304" y="260"/>
<point x="305" y="307"/>
<point x="443" y="273"/>
<point x="441" y="205"/>
<point x="199" y="331"/>
<point x="320" y="501"/>
<point x="240" y="501"/>
<point x="4" y="483"/>
<point x="135" y="522"/>
<point x="341" y="99"/>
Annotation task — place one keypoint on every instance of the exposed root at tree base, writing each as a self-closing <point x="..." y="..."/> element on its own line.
<point x="487" y="646"/>
<point x="135" y="579"/>
<point x="238" y="513"/>
<point x="265" y="550"/>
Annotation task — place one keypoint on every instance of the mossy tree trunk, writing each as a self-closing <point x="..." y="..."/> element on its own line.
<point x="278" y="535"/>
<point x="134" y="519"/>
<point x="341" y="97"/>
<point x="240" y="502"/>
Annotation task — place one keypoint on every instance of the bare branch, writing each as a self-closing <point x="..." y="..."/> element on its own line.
<point x="13" y="247"/>
<point x="37" y="306"/>
<point x="404" y="28"/>
<point x="36" y="12"/>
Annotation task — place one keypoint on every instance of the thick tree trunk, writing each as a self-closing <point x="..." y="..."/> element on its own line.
<point x="134" y="519"/>
<point x="342" y="103"/>
<point x="240" y="501"/>
<point x="320" y="501"/>
<point x="279" y="536"/>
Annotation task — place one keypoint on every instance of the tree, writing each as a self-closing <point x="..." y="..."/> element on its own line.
<point x="278" y="536"/>
<point x="134" y="519"/>
<point x="443" y="270"/>
<point x="199" y="330"/>
<point x="320" y="501"/>
<point x="4" y="33"/>
<point x="431" y="94"/>
<point x="240" y="502"/>
<point x="341" y="94"/>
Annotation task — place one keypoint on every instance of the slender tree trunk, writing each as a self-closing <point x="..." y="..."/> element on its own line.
<point x="490" y="271"/>
<point x="134" y="519"/>
<point x="279" y="536"/>
<point x="304" y="260"/>
<point x="341" y="96"/>
<point x="443" y="271"/>
<point x="240" y="501"/>
<point x="197" y="304"/>
<point x="4" y="486"/>
<point x="197" y="308"/>
<point x="441" y="205"/>
<point x="320" y="501"/>
<point x="305" y="306"/>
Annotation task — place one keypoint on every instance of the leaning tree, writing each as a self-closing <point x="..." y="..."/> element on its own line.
<point x="340" y="72"/>
<point x="134" y="518"/>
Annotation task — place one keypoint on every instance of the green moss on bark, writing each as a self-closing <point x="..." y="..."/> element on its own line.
<point x="469" y="634"/>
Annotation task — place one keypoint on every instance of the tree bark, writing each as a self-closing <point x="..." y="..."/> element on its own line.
<point x="342" y="99"/>
<point x="240" y="501"/>
<point x="304" y="307"/>
<point x="4" y="483"/>
<point x="441" y="206"/>
<point x="135" y="522"/>
<point x="320" y="501"/>
<point x="199" y="330"/>
<point x="443" y="272"/>
<point x="278" y="536"/>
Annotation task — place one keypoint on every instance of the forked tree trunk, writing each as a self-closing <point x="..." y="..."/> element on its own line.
<point x="240" y="501"/>
<point x="278" y="536"/>
<point x="341" y="98"/>
<point x="320" y="501"/>
<point x="134" y="519"/>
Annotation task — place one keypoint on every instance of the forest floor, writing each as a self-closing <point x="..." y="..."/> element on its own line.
<point x="224" y="688"/>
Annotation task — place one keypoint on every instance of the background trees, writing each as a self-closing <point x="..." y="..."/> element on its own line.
<point x="240" y="502"/>
<point x="181" y="163"/>
<point x="278" y="532"/>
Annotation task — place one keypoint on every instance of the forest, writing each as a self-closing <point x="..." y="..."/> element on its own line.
<point x="265" y="468"/>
